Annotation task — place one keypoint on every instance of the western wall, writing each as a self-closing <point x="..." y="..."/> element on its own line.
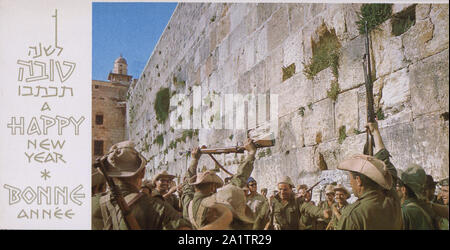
<point x="265" y="48"/>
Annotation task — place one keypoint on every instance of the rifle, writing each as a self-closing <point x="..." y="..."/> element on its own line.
<point x="313" y="186"/>
<point x="263" y="143"/>
<point x="237" y="149"/>
<point x="130" y="220"/>
<point x="368" y="147"/>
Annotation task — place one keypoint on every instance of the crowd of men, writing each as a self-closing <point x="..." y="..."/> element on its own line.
<point x="387" y="198"/>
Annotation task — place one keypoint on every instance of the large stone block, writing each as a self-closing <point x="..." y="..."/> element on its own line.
<point x="387" y="50"/>
<point x="334" y="17"/>
<point x="416" y="40"/>
<point x="264" y="11"/>
<point x="429" y="82"/>
<point x="399" y="141"/>
<point x="223" y="28"/>
<point x="431" y="137"/>
<point x="422" y="11"/>
<point x="351" y="17"/>
<point x="293" y="51"/>
<point x="346" y="111"/>
<point x="251" y="20"/>
<point x="237" y="36"/>
<point x="321" y="84"/>
<point x="237" y="13"/>
<point x="439" y="17"/>
<point x="319" y="123"/>
<point x="261" y="44"/>
<point x="274" y="62"/>
<point x="249" y="52"/>
<point x="293" y="93"/>
<point x="395" y="89"/>
<point x="297" y="129"/>
<point x="351" y="71"/>
<point x="296" y="13"/>
<point x="286" y="140"/>
<point x="277" y="28"/>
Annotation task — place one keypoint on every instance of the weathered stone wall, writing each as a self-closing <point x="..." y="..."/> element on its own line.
<point x="241" y="48"/>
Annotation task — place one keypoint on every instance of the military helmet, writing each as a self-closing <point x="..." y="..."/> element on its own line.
<point x="124" y="160"/>
<point x="369" y="166"/>
<point x="415" y="178"/>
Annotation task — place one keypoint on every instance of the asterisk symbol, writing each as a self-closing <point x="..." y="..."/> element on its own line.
<point x="45" y="174"/>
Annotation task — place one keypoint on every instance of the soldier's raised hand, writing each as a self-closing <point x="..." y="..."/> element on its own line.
<point x="250" y="146"/>
<point x="195" y="153"/>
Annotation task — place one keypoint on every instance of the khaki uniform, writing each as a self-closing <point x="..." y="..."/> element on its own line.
<point x="198" y="210"/>
<point x="150" y="213"/>
<point x="375" y="209"/>
<point x="415" y="217"/>
<point x="171" y="199"/>
<point x="334" y="220"/>
<point x="321" y="224"/>
<point x="288" y="216"/>
<point x="260" y="207"/>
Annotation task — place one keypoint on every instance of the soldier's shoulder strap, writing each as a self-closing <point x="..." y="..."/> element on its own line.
<point x="111" y="214"/>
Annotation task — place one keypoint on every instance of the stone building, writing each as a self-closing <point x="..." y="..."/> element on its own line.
<point x="267" y="48"/>
<point x="109" y="108"/>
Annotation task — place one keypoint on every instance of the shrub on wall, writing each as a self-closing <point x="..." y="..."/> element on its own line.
<point x="325" y="53"/>
<point x="161" y="105"/>
<point x="374" y="14"/>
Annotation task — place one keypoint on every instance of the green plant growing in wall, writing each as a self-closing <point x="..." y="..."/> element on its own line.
<point x="161" y="105"/>
<point x="301" y="111"/>
<point x="180" y="119"/>
<point x="159" y="140"/>
<point x="173" y="144"/>
<point x="146" y="146"/>
<point x="191" y="110"/>
<point x="374" y="14"/>
<point x="288" y="71"/>
<point x="334" y="90"/>
<point x="261" y="154"/>
<point x="213" y="18"/>
<point x="268" y="151"/>
<point x="342" y="134"/>
<point x="310" y="105"/>
<point x="231" y="137"/>
<point x="325" y="53"/>
<point x="356" y="131"/>
<point x="380" y="114"/>
<point x="178" y="83"/>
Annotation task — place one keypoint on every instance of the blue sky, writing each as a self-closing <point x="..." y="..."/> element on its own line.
<point x="132" y="29"/>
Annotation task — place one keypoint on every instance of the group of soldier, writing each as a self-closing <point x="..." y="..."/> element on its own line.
<point x="387" y="198"/>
